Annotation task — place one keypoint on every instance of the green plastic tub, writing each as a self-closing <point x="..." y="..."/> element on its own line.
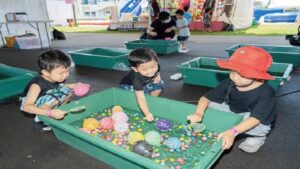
<point x="204" y="71"/>
<point x="106" y="58"/>
<point x="162" y="47"/>
<point x="280" y="54"/>
<point x="13" y="80"/>
<point x="118" y="157"/>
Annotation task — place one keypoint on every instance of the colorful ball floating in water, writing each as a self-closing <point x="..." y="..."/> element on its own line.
<point x="153" y="138"/>
<point x="119" y="117"/>
<point x="106" y="123"/>
<point x="135" y="136"/>
<point x="173" y="143"/>
<point x="163" y="125"/>
<point x="143" y="148"/>
<point x="121" y="127"/>
<point x="90" y="124"/>
<point x="117" y="109"/>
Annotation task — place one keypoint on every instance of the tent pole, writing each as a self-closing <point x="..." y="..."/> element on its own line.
<point x="74" y="14"/>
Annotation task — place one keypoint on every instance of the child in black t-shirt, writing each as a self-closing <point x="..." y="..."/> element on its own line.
<point x="144" y="78"/>
<point x="48" y="90"/>
<point x="245" y="93"/>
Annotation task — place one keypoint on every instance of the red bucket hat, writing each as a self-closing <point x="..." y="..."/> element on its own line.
<point x="250" y="61"/>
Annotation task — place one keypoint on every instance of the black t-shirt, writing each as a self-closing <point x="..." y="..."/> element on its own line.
<point x="259" y="101"/>
<point x="137" y="80"/>
<point x="160" y="29"/>
<point x="44" y="84"/>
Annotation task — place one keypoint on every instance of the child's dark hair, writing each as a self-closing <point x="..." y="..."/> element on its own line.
<point x="141" y="55"/>
<point x="163" y="15"/>
<point x="185" y="8"/>
<point x="179" y="12"/>
<point x="53" y="59"/>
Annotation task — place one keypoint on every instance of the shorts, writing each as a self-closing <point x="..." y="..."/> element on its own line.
<point x="148" y="88"/>
<point x="182" y="38"/>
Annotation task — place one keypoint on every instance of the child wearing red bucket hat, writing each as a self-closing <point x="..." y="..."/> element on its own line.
<point x="246" y="93"/>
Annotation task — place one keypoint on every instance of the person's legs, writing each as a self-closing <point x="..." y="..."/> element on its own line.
<point x="156" y="92"/>
<point x="259" y="135"/>
<point x="206" y="22"/>
<point x="179" y="39"/>
<point x="182" y="40"/>
<point x="183" y="45"/>
<point x="155" y="89"/>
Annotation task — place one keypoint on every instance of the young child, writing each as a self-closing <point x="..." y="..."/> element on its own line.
<point x="187" y="15"/>
<point x="245" y="93"/>
<point x="183" y="29"/>
<point x="144" y="78"/>
<point x="48" y="90"/>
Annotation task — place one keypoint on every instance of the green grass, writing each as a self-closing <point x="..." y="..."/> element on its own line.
<point x="260" y="30"/>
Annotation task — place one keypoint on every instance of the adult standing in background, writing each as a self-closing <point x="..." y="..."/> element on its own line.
<point x="208" y="8"/>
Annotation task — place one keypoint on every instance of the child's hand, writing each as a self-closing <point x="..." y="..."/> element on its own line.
<point x="228" y="139"/>
<point x="157" y="79"/>
<point x="194" y="118"/>
<point x="168" y="30"/>
<point x="57" y="114"/>
<point x="152" y="33"/>
<point x="149" y="117"/>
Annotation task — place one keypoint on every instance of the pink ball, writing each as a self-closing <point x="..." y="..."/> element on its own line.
<point x="81" y="89"/>
<point x="120" y="117"/>
<point x="106" y="123"/>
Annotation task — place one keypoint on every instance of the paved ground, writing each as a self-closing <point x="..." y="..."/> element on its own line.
<point x="22" y="147"/>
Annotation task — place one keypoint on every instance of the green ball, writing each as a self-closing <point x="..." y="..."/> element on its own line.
<point x="153" y="138"/>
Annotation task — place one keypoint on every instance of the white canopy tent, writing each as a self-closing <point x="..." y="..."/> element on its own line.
<point x="286" y="4"/>
<point x="242" y="14"/>
<point x="36" y="11"/>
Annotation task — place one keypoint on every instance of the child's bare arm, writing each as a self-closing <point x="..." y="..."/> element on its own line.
<point x="229" y="135"/>
<point x="198" y="115"/>
<point x="29" y="104"/>
<point x="140" y="97"/>
<point x="150" y="31"/>
<point x="71" y="85"/>
<point x="157" y="78"/>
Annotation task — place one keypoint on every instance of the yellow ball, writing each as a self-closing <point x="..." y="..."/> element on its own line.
<point x="116" y="109"/>
<point x="90" y="124"/>
<point x="134" y="137"/>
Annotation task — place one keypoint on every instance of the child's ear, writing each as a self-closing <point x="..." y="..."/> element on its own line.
<point x="134" y="69"/>
<point x="45" y="72"/>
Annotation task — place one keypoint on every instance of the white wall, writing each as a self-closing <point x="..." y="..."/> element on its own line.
<point x="59" y="11"/>
<point x="36" y="10"/>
